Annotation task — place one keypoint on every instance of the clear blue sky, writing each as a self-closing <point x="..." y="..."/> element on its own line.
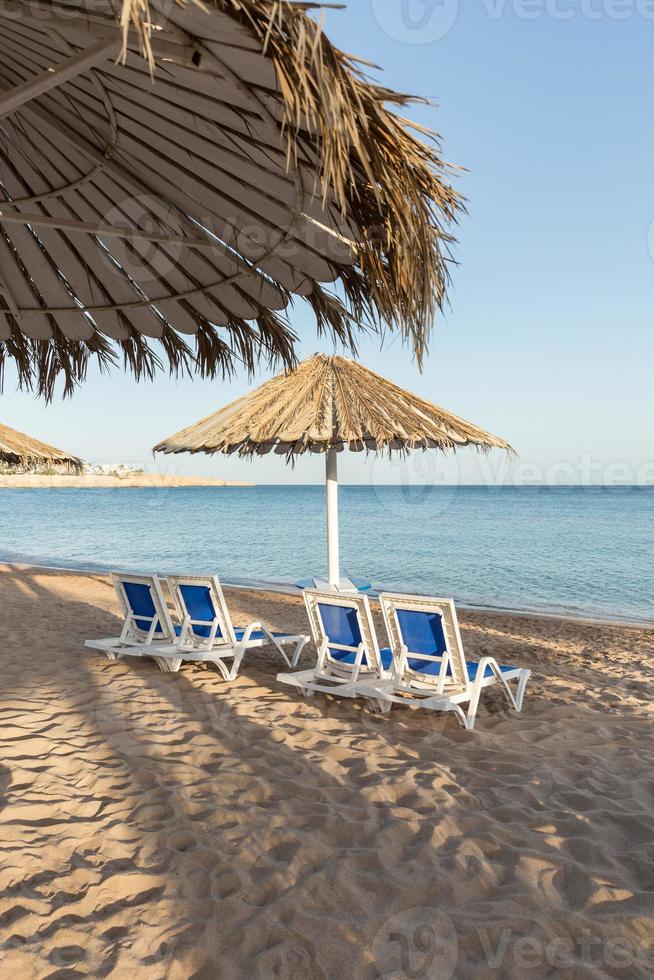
<point x="549" y="341"/>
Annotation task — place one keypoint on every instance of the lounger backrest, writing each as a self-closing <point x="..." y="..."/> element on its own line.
<point x="142" y="600"/>
<point x="342" y="623"/>
<point x="199" y="599"/>
<point x="425" y="638"/>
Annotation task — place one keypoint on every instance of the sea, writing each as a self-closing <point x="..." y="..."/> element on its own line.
<point x="585" y="552"/>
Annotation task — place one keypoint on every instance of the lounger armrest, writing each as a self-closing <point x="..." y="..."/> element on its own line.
<point x="249" y="630"/>
<point x="275" y="639"/>
<point x="514" y="701"/>
<point x="185" y="630"/>
<point x="494" y="666"/>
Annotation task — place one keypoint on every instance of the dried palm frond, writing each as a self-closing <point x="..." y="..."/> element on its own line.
<point x="18" y="449"/>
<point x="329" y="402"/>
<point x="395" y="187"/>
<point x="250" y="106"/>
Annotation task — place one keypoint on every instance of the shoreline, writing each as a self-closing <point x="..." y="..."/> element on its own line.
<point x="136" y="481"/>
<point x="288" y="589"/>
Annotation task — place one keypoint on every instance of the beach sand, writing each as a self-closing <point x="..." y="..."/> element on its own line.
<point x="159" y="825"/>
<point x="38" y="481"/>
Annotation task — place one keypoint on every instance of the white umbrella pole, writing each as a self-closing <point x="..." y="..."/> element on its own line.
<point x="331" y="468"/>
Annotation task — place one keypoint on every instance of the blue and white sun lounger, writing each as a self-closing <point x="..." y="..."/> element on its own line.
<point x="345" y="638"/>
<point x="207" y="632"/>
<point x="429" y="666"/>
<point x="148" y="630"/>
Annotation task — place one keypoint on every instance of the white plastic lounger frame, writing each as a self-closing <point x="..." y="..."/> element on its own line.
<point x="449" y="687"/>
<point x="148" y="630"/>
<point x="208" y="635"/>
<point x="351" y="633"/>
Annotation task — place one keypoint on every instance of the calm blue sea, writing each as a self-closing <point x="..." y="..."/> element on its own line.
<point x="576" y="551"/>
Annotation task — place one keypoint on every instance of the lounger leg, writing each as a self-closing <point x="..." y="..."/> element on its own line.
<point x="293" y="661"/>
<point x="378" y="706"/>
<point x="508" y="693"/>
<point x="515" y="702"/>
<point x="499" y="677"/>
<point x="239" y="653"/>
<point x="110" y="655"/>
<point x="224" y="669"/>
<point x="469" y="723"/>
<point x="279" y="648"/>
<point x="522" y="684"/>
<point x="437" y="703"/>
<point x="168" y="666"/>
<point x="298" y="650"/>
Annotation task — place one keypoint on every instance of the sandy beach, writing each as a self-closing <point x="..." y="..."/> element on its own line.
<point x="32" y="481"/>
<point x="171" y="826"/>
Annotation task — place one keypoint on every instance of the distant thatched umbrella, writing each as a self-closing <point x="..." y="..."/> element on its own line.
<point x="17" y="449"/>
<point x="326" y="405"/>
<point x="260" y="165"/>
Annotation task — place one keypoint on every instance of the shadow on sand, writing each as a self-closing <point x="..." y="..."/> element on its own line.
<point x="172" y="824"/>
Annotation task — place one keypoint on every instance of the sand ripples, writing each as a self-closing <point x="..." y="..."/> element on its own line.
<point x="169" y="826"/>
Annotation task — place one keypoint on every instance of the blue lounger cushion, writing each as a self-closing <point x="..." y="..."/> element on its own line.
<point x="432" y="667"/>
<point x="141" y="603"/>
<point x="259" y="635"/>
<point x="341" y="624"/>
<point x="423" y="632"/>
<point x="199" y="606"/>
<point x="473" y="667"/>
<point x="348" y="657"/>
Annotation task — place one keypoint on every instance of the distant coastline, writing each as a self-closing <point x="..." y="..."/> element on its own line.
<point x="27" y="481"/>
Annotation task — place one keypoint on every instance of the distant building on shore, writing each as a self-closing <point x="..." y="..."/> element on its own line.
<point x="111" y="469"/>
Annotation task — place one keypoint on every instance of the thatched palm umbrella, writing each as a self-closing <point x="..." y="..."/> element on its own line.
<point x="17" y="449"/>
<point x="325" y="405"/>
<point x="187" y="209"/>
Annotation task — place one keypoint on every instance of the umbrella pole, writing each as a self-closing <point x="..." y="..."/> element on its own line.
<point x="331" y="473"/>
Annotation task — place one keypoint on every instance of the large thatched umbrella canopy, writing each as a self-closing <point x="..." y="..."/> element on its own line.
<point x="175" y="216"/>
<point x="325" y="405"/>
<point x="17" y="449"/>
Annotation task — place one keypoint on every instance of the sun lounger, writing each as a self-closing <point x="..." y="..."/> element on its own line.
<point x="429" y="666"/>
<point x="148" y="630"/>
<point x="348" y="652"/>
<point x="208" y="635"/>
<point x="205" y="633"/>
